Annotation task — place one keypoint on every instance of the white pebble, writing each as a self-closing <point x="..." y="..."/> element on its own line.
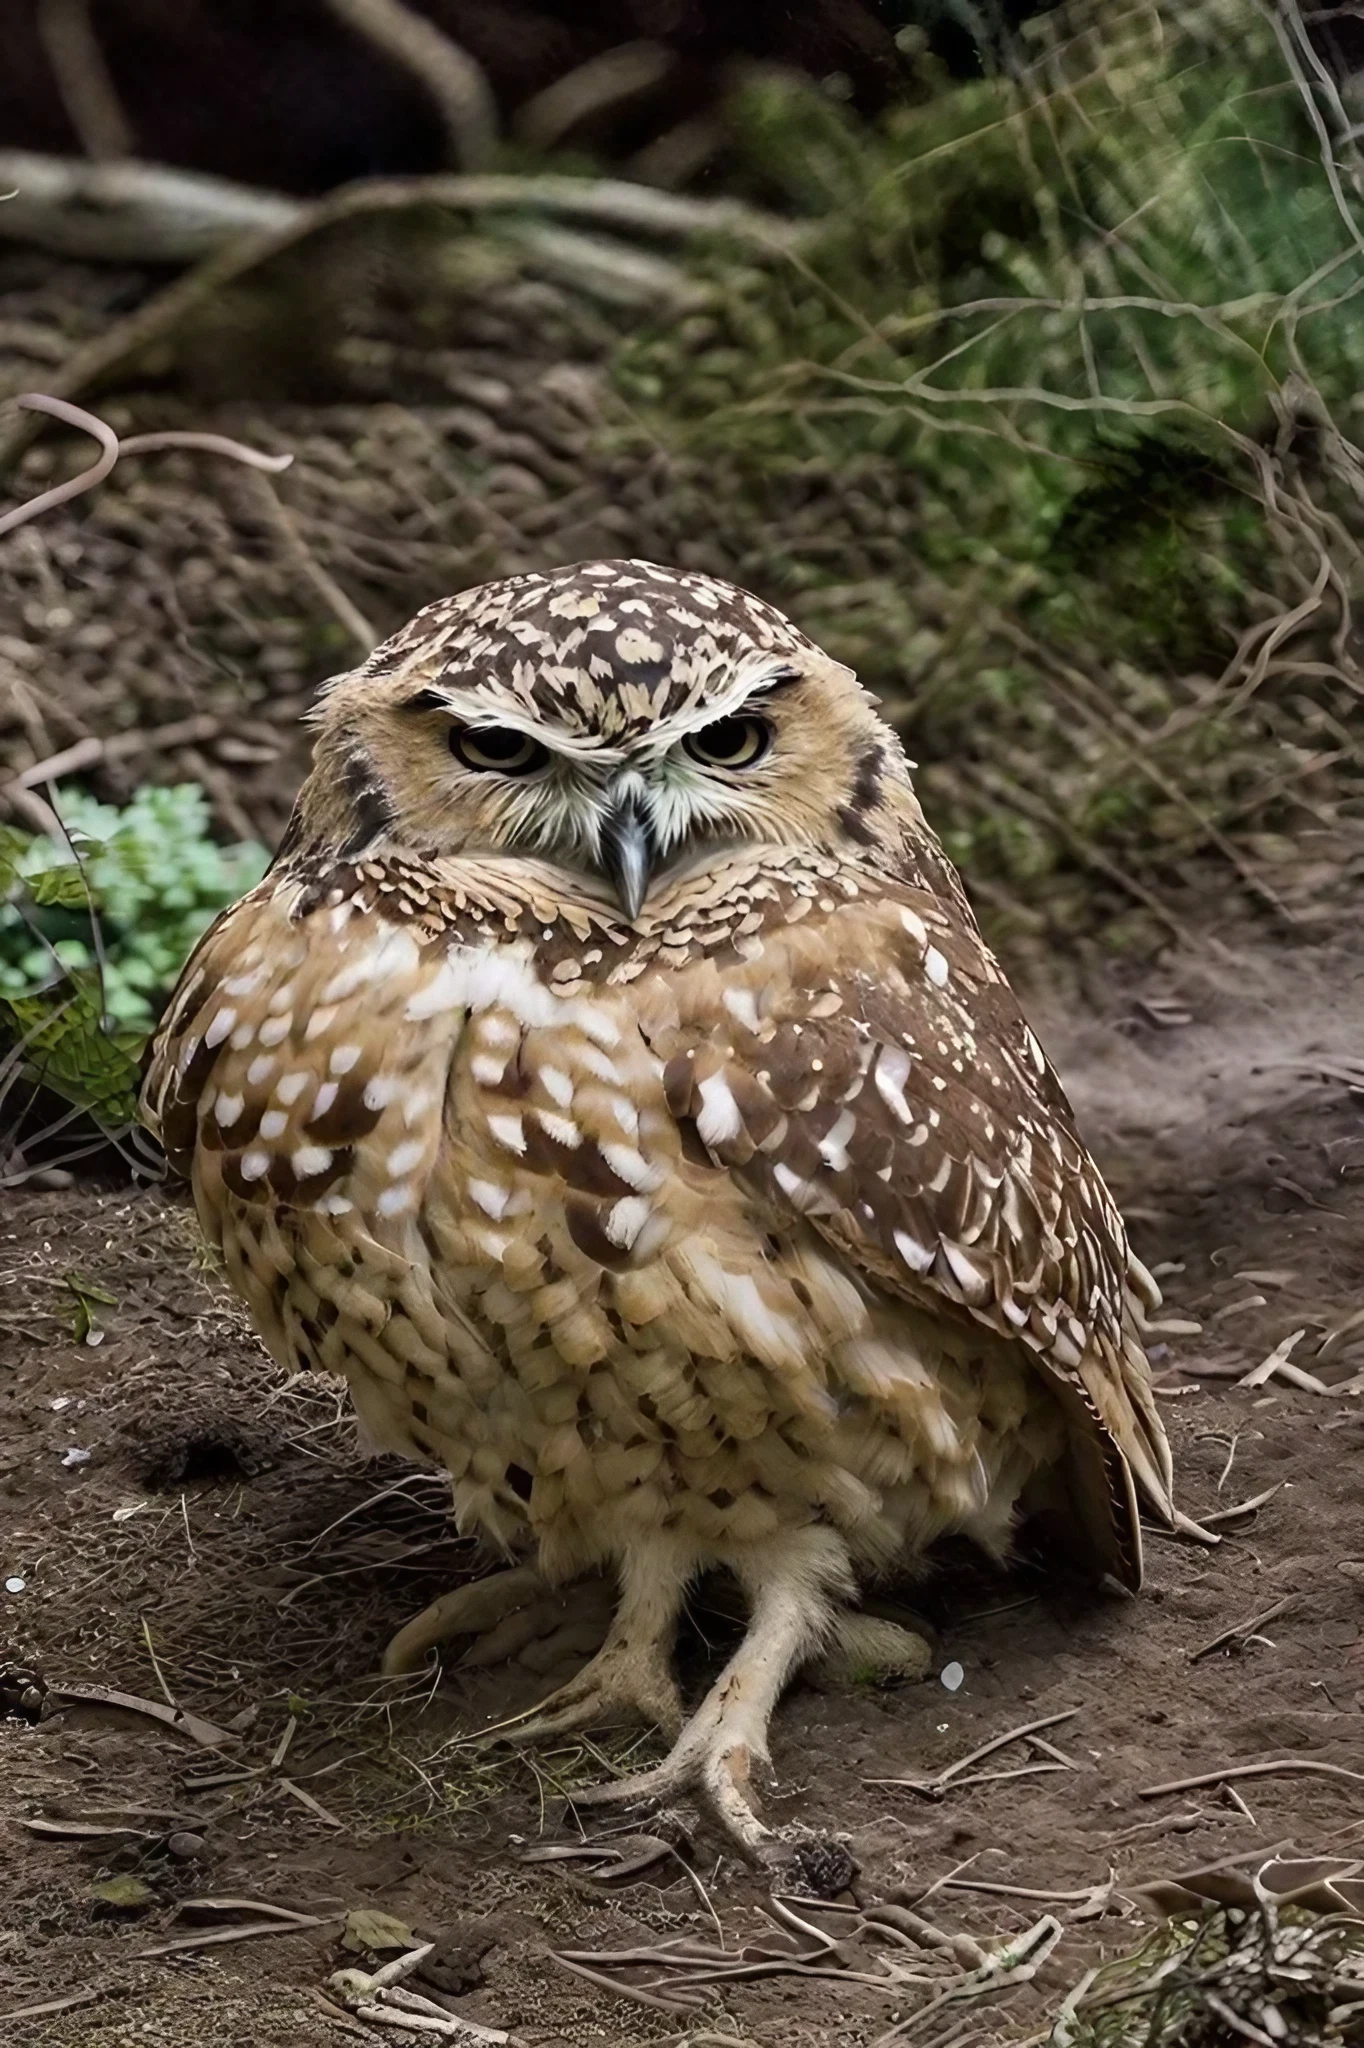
<point x="15" y="1585"/>
<point x="953" y="1677"/>
<point x="75" y="1457"/>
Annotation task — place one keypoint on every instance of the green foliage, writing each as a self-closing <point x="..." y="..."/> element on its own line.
<point x="94" y="930"/>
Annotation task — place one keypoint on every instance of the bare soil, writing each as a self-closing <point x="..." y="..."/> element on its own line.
<point x="227" y="1542"/>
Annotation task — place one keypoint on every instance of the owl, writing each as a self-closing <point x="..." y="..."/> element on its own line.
<point x="609" y="1079"/>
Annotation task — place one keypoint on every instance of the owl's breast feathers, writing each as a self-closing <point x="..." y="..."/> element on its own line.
<point x="812" y="1077"/>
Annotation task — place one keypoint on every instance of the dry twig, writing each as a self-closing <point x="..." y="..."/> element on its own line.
<point x="84" y="85"/>
<point x="934" y="1787"/>
<point x="1273" y="1767"/>
<point x="1241" y="1629"/>
<point x="112" y="448"/>
<point x="200" y="1731"/>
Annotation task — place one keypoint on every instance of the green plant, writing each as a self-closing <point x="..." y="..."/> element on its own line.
<point x="95" y="926"/>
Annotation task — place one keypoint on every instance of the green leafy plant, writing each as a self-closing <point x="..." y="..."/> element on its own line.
<point x="95" y="926"/>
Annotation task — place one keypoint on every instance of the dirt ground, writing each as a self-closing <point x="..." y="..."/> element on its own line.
<point x="225" y="1542"/>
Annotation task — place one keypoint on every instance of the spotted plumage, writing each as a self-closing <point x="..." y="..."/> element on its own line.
<point x="610" y="1080"/>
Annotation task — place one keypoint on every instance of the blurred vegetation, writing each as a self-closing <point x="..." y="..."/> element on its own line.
<point x="1225" y="1975"/>
<point x="1079" y="340"/>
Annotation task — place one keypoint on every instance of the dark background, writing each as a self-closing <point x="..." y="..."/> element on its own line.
<point x="281" y="93"/>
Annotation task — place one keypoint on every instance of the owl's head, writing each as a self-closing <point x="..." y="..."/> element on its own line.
<point x="617" y="719"/>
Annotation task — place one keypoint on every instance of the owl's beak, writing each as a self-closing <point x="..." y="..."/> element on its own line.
<point x="628" y="852"/>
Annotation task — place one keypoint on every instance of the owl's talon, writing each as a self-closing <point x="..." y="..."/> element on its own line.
<point x="515" y="1616"/>
<point x="797" y="1586"/>
<point x="475" y="1609"/>
<point x="717" y="1772"/>
<point x="620" y="1682"/>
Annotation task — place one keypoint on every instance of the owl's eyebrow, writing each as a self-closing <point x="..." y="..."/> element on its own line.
<point x="426" y="700"/>
<point x="772" y="685"/>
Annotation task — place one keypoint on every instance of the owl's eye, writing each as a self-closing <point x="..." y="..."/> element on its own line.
<point x="730" y="743"/>
<point x="499" y="749"/>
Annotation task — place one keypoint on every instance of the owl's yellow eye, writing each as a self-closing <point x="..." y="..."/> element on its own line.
<point x="497" y="749"/>
<point x="730" y="743"/>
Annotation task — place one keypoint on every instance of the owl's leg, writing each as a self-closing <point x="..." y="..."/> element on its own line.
<point x="792" y="1581"/>
<point x="632" y="1671"/>
<point x="508" y="1611"/>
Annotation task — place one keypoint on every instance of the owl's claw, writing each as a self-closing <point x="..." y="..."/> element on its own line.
<point x="719" y="1771"/>
<point x="515" y="1615"/>
<point x="622" y="1680"/>
<point x="725" y="1741"/>
<point x="469" y="1610"/>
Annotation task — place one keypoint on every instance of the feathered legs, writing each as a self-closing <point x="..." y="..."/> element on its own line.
<point x="793" y="1582"/>
<point x="630" y="1674"/>
<point x="632" y="1671"/>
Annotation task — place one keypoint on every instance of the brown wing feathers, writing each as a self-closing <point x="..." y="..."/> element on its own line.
<point x="908" y="1111"/>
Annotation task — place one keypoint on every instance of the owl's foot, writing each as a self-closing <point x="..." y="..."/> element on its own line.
<point x="868" y="1649"/>
<point x="514" y="1615"/>
<point x="625" y="1680"/>
<point x="713" y="1759"/>
<point x="631" y="1674"/>
<point x="789" y="1582"/>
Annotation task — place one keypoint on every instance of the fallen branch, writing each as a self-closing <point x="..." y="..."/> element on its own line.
<point x="88" y="753"/>
<point x="1240" y="1629"/>
<point x="347" y="615"/>
<point x="605" y="1983"/>
<point x="200" y="1731"/>
<point x="314" y="1806"/>
<point x="1278" y="1365"/>
<point x="130" y="212"/>
<point x="51" y="2005"/>
<point x="606" y="80"/>
<point x="1244" y="1507"/>
<point x="219" y="1937"/>
<point x="215" y="1907"/>
<point x="92" y="1831"/>
<point x="610" y="203"/>
<point x="381" y="1998"/>
<point x="87" y="92"/>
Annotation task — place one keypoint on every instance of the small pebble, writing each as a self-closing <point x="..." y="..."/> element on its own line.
<point x="15" y="1585"/>
<point x="953" y="1677"/>
<point x="75" y="1457"/>
<point x="185" y="1847"/>
<point x="61" y="1401"/>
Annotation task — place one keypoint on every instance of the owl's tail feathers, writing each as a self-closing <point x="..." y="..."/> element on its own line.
<point x="1118" y="1456"/>
<point x="1150" y="1456"/>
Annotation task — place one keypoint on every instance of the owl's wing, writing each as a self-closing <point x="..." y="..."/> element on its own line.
<point x="874" y="1074"/>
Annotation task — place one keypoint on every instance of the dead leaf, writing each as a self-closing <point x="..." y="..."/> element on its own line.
<point x="124" y="1894"/>
<point x="373" y="1933"/>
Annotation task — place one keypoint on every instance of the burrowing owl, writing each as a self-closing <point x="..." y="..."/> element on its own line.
<point x="610" y="1080"/>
